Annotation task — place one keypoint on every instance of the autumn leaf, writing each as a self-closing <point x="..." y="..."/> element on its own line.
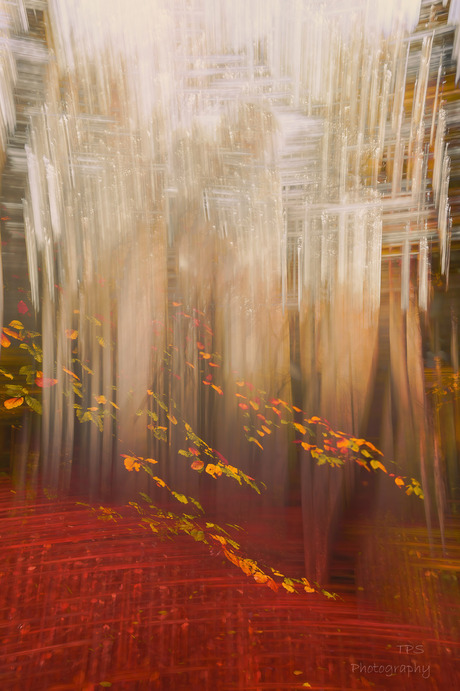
<point x="150" y="460"/>
<point x="13" y="334"/>
<point x="172" y="419"/>
<point x="16" y="324"/>
<point x="218" y="389"/>
<point x="5" y="341"/>
<point x="300" y="428"/>
<point x="13" y="402"/>
<point x="71" y="334"/>
<point x="101" y="399"/>
<point x="22" y="307"/>
<point x="205" y="356"/>
<point x="213" y="470"/>
<point x="399" y="481"/>
<point x="131" y="463"/>
<point x="243" y="406"/>
<point x="197" y="465"/>
<point x="44" y="382"/>
<point x="256" y="442"/>
<point x="260" y="577"/>
<point x="72" y="374"/>
<point x="377" y="465"/>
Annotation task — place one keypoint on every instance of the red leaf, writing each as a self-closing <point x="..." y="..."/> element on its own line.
<point x="44" y="382"/>
<point x="22" y="307"/>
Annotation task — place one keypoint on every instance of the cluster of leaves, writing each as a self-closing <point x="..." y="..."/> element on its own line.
<point x="28" y="380"/>
<point x="163" y="523"/>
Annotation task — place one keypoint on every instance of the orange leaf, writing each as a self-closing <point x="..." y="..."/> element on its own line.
<point x="243" y="406"/>
<point x="12" y="333"/>
<point x="300" y="428"/>
<point x="260" y="577"/>
<point x="218" y="389"/>
<point x="172" y="419"/>
<point x="5" y="341"/>
<point x="239" y="383"/>
<point x="177" y="304"/>
<point x="213" y="470"/>
<point x="150" y="460"/>
<point x="307" y="447"/>
<point x="399" y="481"/>
<point x="72" y="374"/>
<point x="266" y="429"/>
<point x="205" y="356"/>
<point x="71" y="333"/>
<point x="189" y="364"/>
<point x="13" y="402"/>
<point x="101" y="399"/>
<point x="197" y="464"/>
<point x="254" y="405"/>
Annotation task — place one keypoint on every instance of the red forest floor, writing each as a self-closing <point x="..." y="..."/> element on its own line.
<point x="87" y="604"/>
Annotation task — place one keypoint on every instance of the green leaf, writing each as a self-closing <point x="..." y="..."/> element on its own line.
<point x="34" y="404"/>
<point x="146" y="497"/>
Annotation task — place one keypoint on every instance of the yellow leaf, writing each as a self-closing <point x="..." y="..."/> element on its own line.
<point x="261" y="434"/>
<point x="101" y="341"/>
<point x="266" y="429"/>
<point x="172" y="419"/>
<point x="114" y="405"/>
<point x="377" y="465"/>
<point x="15" y="324"/>
<point x="239" y="383"/>
<point x="13" y="402"/>
<point x="297" y="672"/>
<point x="150" y="460"/>
<point x="218" y="389"/>
<point x="254" y="405"/>
<point x="288" y="587"/>
<point x="101" y="399"/>
<point x="205" y="356"/>
<point x="366" y="453"/>
<point x="300" y="428"/>
<point x="308" y="589"/>
<point x="93" y="408"/>
<point x="71" y="333"/>
<point x="307" y="447"/>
